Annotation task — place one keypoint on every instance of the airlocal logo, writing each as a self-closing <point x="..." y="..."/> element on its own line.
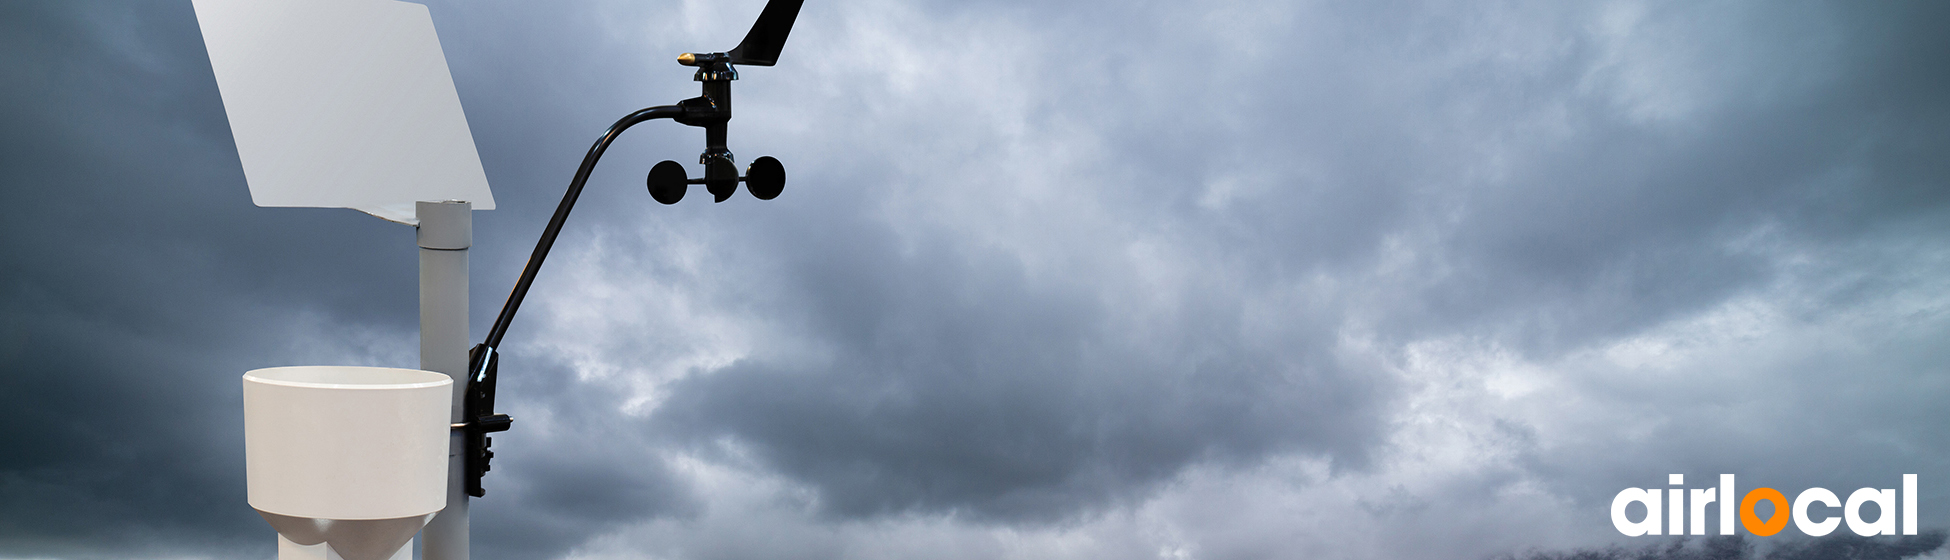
<point x="1884" y="499"/>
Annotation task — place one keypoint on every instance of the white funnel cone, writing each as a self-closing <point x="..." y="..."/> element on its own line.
<point x="354" y="458"/>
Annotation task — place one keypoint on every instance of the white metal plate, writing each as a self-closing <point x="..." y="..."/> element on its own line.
<point x="342" y="104"/>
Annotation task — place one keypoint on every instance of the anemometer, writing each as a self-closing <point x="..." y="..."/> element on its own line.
<point x="667" y="182"/>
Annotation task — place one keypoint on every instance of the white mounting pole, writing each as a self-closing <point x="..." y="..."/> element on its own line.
<point x="446" y="231"/>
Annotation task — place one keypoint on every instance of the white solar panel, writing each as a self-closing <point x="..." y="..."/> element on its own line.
<point x="342" y="104"/>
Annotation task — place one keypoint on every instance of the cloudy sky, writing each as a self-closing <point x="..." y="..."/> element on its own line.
<point x="1214" y="279"/>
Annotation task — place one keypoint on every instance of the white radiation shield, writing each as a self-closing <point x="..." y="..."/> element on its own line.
<point x="342" y="104"/>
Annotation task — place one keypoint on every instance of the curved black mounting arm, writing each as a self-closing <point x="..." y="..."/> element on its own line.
<point x="478" y="404"/>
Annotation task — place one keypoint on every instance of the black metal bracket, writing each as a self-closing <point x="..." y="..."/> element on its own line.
<point x="477" y="408"/>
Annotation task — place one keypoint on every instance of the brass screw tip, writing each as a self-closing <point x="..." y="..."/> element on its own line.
<point x="687" y="59"/>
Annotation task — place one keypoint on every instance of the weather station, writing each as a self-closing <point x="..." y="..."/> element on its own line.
<point x="350" y="104"/>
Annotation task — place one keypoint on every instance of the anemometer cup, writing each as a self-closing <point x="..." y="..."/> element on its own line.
<point x="667" y="182"/>
<point x="721" y="177"/>
<point x="765" y="178"/>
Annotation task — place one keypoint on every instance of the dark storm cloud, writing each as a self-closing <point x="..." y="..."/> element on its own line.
<point x="571" y="472"/>
<point x="958" y="385"/>
<point x="1541" y="212"/>
<point x="1551" y="205"/>
<point x="1037" y="265"/>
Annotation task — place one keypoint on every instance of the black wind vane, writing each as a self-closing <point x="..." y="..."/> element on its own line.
<point x="667" y="181"/>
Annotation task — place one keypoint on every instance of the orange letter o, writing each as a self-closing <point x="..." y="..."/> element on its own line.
<point x="1774" y="522"/>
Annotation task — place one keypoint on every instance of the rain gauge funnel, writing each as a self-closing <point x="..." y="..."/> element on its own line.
<point x="346" y="463"/>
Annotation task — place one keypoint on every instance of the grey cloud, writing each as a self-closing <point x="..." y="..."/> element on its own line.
<point x="1007" y="287"/>
<point x="574" y="469"/>
<point x="1613" y="226"/>
<point x="956" y="386"/>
